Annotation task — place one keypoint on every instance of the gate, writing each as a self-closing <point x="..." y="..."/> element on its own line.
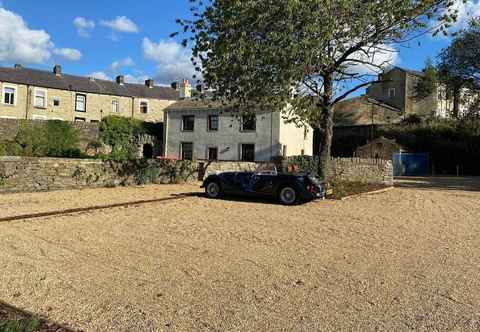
<point x="411" y="164"/>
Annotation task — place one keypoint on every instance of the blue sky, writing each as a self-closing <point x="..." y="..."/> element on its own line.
<point x="106" y="38"/>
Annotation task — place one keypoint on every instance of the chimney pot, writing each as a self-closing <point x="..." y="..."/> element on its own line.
<point x="18" y="66"/>
<point x="120" y="79"/>
<point x="150" y="83"/>
<point x="57" y="70"/>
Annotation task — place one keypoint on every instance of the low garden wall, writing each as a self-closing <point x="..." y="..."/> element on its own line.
<point x="22" y="174"/>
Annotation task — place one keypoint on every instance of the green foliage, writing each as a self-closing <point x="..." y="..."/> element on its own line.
<point x="24" y="325"/>
<point x="120" y="132"/>
<point x="44" y="139"/>
<point x="412" y="119"/>
<point x="305" y="164"/>
<point x="307" y="54"/>
<point x="459" y="68"/>
<point x="428" y="83"/>
<point x="449" y="143"/>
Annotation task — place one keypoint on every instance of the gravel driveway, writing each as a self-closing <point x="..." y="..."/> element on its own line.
<point x="401" y="260"/>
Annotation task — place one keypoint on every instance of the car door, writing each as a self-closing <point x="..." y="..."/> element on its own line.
<point x="264" y="185"/>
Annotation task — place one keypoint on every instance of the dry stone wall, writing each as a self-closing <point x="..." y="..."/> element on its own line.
<point x="21" y="174"/>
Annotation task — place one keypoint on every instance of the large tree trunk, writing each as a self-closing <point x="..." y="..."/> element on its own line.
<point x="456" y="102"/>
<point x="326" y="128"/>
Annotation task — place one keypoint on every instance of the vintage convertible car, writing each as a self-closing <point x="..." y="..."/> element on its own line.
<point x="266" y="182"/>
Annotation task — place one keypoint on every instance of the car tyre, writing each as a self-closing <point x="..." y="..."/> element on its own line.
<point x="213" y="190"/>
<point x="288" y="195"/>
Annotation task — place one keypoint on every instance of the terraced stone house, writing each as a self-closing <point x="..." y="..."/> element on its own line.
<point x="42" y="95"/>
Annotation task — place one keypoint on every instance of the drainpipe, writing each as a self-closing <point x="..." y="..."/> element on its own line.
<point x="133" y="107"/>
<point x="27" y="102"/>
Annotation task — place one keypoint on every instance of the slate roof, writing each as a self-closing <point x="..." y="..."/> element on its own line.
<point x="47" y="79"/>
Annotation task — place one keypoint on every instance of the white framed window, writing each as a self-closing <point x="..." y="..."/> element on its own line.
<point x="40" y="98"/>
<point x="144" y="107"/>
<point x="391" y="92"/>
<point x="80" y="103"/>
<point x="9" y="95"/>
<point x="115" y="106"/>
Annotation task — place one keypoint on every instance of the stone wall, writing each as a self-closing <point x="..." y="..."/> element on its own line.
<point x="20" y="174"/>
<point x="10" y="127"/>
<point x="362" y="170"/>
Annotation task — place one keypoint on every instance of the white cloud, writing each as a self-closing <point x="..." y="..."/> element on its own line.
<point x="19" y="43"/>
<point x="116" y="65"/>
<point x="100" y="75"/>
<point x="68" y="53"/>
<point x="121" y="24"/>
<point x="136" y="79"/>
<point x="173" y="60"/>
<point x="84" y="26"/>
<point x="374" y="60"/>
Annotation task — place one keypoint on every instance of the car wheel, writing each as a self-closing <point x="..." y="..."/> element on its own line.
<point x="213" y="190"/>
<point x="288" y="196"/>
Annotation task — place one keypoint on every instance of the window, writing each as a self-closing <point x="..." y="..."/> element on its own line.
<point x="249" y="122"/>
<point x="9" y="95"/>
<point x="80" y="103"/>
<point x="188" y="122"/>
<point x="40" y="100"/>
<point x="77" y="119"/>
<point x="115" y="106"/>
<point x="56" y="101"/>
<point x="213" y="154"/>
<point x="213" y="122"/>
<point x="187" y="151"/>
<point x="144" y="106"/>
<point x="391" y="92"/>
<point x="248" y="152"/>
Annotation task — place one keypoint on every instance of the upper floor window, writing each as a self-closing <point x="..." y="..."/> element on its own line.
<point x="144" y="106"/>
<point x="40" y="100"/>
<point x="213" y="122"/>
<point x="80" y="103"/>
<point x="249" y="122"/>
<point x="56" y="101"/>
<point x="9" y="95"/>
<point x="115" y="106"/>
<point x="391" y="92"/>
<point x="188" y="122"/>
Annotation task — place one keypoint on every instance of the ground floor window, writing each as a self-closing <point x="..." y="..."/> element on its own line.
<point x="187" y="151"/>
<point x="213" y="154"/>
<point x="77" y="119"/>
<point x="248" y="152"/>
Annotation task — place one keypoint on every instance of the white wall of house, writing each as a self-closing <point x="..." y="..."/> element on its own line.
<point x="269" y="137"/>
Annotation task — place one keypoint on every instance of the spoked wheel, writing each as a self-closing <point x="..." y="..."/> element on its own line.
<point x="288" y="196"/>
<point x="213" y="190"/>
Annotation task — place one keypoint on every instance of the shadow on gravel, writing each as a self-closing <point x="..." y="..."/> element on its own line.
<point x="439" y="183"/>
<point x="17" y="320"/>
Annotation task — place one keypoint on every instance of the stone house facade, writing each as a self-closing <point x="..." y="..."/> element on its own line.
<point x="41" y="95"/>
<point x="203" y="130"/>
<point x="396" y="97"/>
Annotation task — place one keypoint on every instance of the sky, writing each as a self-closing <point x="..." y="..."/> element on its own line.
<point x="105" y="38"/>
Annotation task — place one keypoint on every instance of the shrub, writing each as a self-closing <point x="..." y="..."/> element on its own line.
<point x="119" y="132"/>
<point x="305" y="164"/>
<point x="46" y="139"/>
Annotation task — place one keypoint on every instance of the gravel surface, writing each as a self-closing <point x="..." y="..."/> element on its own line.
<point x="401" y="260"/>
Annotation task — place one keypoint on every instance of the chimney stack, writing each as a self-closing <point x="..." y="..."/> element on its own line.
<point x="150" y="83"/>
<point x="18" y="66"/>
<point x="57" y="70"/>
<point x="120" y="79"/>
<point x="185" y="90"/>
